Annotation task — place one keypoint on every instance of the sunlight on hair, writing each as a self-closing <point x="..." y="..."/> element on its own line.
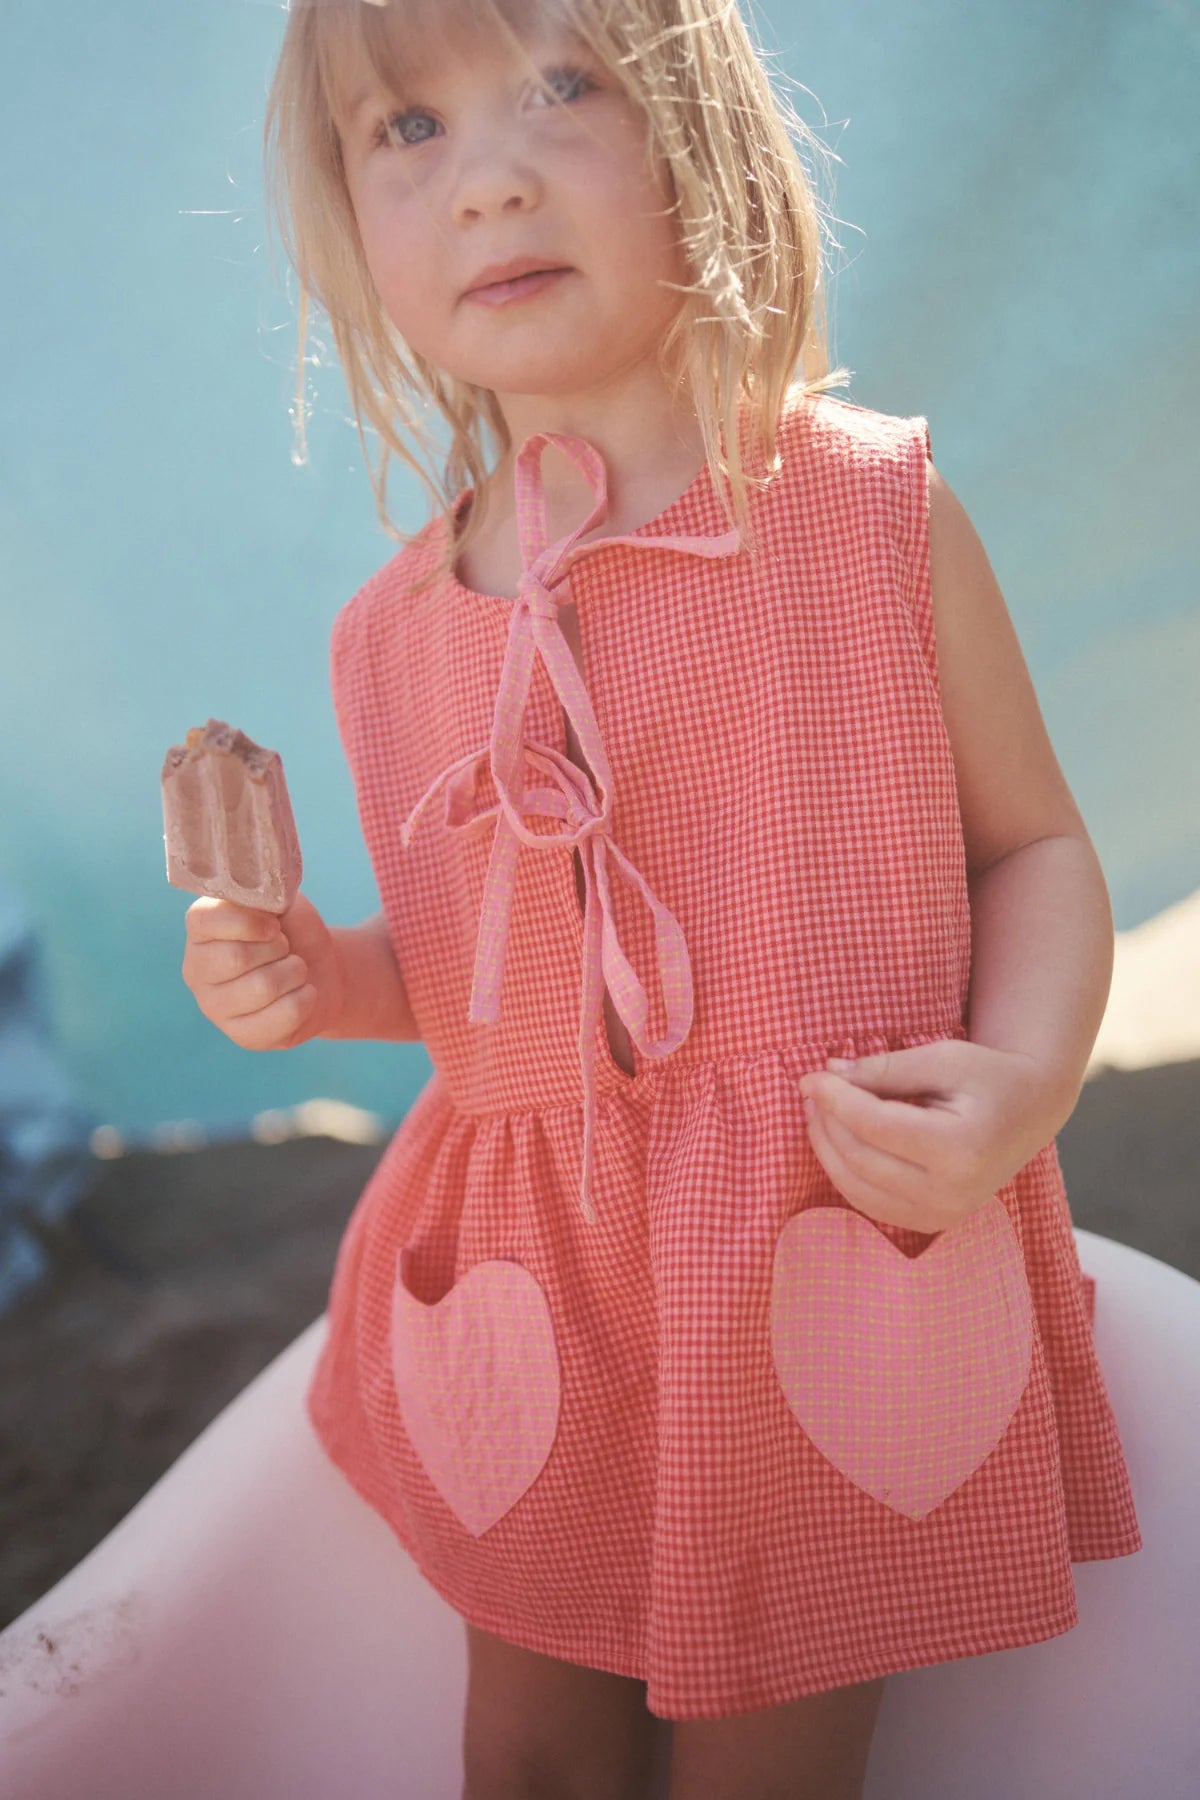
<point x="300" y="417"/>
<point x="751" y="321"/>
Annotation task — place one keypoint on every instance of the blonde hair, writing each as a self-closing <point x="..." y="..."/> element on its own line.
<point x="751" y="323"/>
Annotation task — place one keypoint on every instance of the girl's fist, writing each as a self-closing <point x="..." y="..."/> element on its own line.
<point x="924" y="1136"/>
<point x="267" y="982"/>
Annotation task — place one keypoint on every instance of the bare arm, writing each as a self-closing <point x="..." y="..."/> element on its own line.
<point x="1041" y="919"/>
<point x="376" y="1004"/>
<point x="1042" y="961"/>
<point x="1041" y="941"/>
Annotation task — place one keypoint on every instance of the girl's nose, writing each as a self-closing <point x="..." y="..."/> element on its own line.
<point x="492" y="176"/>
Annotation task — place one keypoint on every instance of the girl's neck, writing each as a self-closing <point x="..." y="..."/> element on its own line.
<point x="636" y="490"/>
<point x="647" y="434"/>
<point x="492" y="563"/>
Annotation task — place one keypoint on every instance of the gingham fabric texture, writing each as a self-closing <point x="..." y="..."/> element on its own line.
<point x="725" y="1435"/>
<point x="572" y="795"/>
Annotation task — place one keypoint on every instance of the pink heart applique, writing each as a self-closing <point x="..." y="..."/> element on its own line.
<point x="904" y="1371"/>
<point x="477" y="1383"/>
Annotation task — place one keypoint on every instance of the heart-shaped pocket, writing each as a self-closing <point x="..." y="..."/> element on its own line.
<point x="904" y="1371"/>
<point x="478" y="1386"/>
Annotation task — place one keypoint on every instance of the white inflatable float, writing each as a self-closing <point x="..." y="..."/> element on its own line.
<point x="253" y="1631"/>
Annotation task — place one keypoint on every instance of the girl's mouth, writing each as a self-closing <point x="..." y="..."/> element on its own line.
<point x="523" y="287"/>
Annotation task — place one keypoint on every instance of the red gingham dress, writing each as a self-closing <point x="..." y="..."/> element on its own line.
<point x="626" y="1375"/>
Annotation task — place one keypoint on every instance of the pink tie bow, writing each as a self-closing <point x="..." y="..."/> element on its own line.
<point x="571" y="797"/>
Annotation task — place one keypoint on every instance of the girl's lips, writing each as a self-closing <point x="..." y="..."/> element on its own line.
<point x="500" y="293"/>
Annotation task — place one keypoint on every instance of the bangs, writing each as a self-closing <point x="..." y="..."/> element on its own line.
<point x="732" y="154"/>
<point x="364" y="48"/>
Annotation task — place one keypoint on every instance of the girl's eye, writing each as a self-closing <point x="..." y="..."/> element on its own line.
<point x="573" y="78"/>
<point x="394" y="130"/>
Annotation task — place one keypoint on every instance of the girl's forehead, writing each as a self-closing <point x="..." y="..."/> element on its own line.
<point x="365" y="48"/>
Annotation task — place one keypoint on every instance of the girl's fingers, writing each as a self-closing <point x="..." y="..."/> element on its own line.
<point x="214" y="965"/>
<point x="866" y="1162"/>
<point x="865" y="1196"/>
<point x="285" y="1015"/>
<point x="261" y="989"/>
<point x="909" y="1133"/>
<point x="211" y="921"/>
<point x="230" y="961"/>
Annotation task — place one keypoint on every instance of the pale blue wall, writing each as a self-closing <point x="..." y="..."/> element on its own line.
<point x="1018" y="197"/>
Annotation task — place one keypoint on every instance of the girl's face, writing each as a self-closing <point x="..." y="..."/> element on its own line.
<point x="478" y="166"/>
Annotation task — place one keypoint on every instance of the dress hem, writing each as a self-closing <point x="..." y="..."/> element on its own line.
<point x="950" y="1648"/>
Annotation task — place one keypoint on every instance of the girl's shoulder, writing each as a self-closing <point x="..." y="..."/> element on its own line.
<point x="834" y="430"/>
<point x="407" y="577"/>
<point x="857" y="464"/>
<point x="866" y="475"/>
<point x="367" y="638"/>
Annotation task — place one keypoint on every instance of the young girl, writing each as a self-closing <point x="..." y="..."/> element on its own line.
<point x="712" y="1332"/>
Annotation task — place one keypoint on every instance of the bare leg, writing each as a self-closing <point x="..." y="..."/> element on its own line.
<point x="814" y="1748"/>
<point x="537" y="1728"/>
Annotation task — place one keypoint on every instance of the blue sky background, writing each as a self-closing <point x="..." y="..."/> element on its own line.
<point x="1020" y="231"/>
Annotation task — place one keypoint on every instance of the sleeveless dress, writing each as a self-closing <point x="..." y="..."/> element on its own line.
<point x="628" y="1378"/>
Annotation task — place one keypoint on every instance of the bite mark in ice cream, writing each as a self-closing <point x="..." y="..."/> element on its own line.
<point x="227" y="818"/>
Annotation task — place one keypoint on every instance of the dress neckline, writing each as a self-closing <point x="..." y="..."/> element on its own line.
<point x="698" y="489"/>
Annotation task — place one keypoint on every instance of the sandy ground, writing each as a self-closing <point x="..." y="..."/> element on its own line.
<point x="186" y="1273"/>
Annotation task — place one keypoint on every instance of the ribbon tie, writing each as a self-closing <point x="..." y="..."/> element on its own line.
<point x="583" y="807"/>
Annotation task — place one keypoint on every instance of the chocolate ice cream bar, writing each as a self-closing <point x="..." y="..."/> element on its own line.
<point x="228" y="821"/>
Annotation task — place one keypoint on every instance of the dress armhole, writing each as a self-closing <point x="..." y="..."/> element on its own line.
<point x="916" y="578"/>
<point x="350" y="703"/>
<point x="354" y="701"/>
<point x="356" y="706"/>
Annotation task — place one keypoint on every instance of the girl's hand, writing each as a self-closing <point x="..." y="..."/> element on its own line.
<point x="963" y="1120"/>
<point x="267" y="982"/>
